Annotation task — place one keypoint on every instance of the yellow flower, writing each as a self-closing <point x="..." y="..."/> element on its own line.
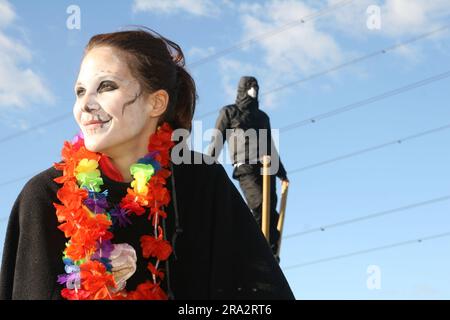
<point x="140" y="183"/>
<point x="86" y="165"/>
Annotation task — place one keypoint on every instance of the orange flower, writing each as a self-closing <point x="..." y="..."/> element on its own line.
<point x="96" y="280"/>
<point x="77" y="251"/>
<point x="71" y="195"/>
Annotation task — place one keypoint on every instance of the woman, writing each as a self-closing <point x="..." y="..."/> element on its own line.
<point x="117" y="218"/>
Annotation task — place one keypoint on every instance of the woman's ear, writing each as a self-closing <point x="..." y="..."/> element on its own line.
<point x="158" y="101"/>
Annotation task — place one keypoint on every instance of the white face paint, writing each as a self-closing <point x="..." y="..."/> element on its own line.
<point x="110" y="107"/>
<point x="252" y="92"/>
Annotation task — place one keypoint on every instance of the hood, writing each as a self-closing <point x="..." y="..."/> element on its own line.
<point x="243" y="101"/>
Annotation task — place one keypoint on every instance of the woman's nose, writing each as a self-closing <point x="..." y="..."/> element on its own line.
<point x="91" y="106"/>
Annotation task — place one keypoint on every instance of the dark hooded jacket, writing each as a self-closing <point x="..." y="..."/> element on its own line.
<point x="244" y="114"/>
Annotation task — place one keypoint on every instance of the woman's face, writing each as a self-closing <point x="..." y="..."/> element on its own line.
<point x="110" y="107"/>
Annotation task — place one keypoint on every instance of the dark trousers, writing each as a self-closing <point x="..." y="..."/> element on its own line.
<point x="251" y="183"/>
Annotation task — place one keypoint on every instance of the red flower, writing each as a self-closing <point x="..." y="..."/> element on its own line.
<point x="129" y="203"/>
<point x="156" y="212"/>
<point x="162" y="141"/>
<point x="148" y="291"/>
<point x="155" y="247"/>
<point x="72" y="294"/>
<point x="157" y="272"/>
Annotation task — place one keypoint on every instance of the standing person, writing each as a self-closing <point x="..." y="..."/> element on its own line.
<point x="241" y="117"/>
<point x="117" y="218"/>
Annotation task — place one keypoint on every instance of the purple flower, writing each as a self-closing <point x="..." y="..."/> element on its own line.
<point x="96" y="205"/>
<point x="79" y="136"/>
<point x="96" y="202"/>
<point x="71" y="278"/>
<point x="103" y="251"/>
<point x="120" y="216"/>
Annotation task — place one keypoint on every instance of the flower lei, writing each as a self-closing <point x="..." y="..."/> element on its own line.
<point x="87" y="219"/>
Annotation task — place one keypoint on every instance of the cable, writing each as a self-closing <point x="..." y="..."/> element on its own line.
<point x="268" y="34"/>
<point x="66" y="115"/>
<point x="367" y="101"/>
<point x="17" y="179"/>
<point x="203" y="60"/>
<point x="381" y="248"/>
<point x="349" y="155"/>
<point x="43" y="124"/>
<point x="370" y="55"/>
<point x="369" y="216"/>
<point x="345" y="64"/>
<point x="377" y="147"/>
<point x="314" y="119"/>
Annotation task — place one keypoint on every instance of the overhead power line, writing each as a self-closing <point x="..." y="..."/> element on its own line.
<point x="17" y="179"/>
<point x="367" y="101"/>
<point x="270" y="33"/>
<point x="422" y="36"/>
<point x="38" y="126"/>
<point x="360" y="252"/>
<point x="370" y="149"/>
<point x="368" y="217"/>
<point x="343" y="65"/>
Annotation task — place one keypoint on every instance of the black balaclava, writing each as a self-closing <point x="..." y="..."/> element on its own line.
<point x="246" y="104"/>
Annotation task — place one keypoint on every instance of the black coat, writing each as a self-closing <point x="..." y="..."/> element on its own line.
<point x="219" y="252"/>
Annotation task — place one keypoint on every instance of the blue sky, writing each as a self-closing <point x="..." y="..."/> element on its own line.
<point x="39" y="60"/>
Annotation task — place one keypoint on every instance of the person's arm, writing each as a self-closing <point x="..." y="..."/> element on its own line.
<point x="243" y="266"/>
<point x="10" y="253"/>
<point x="219" y="136"/>
<point x="33" y="245"/>
<point x="281" y="173"/>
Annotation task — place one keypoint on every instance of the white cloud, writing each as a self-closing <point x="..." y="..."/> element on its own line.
<point x="194" y="7"/>
<point x="199" y="53"/>
<point x="19" y="85"/>
<point x="401" y="17"/>
<point x="398" y="17"/>
<point x="299" y="49"/>
<point x="282" y="57"/>
<point x="7" y="13"/>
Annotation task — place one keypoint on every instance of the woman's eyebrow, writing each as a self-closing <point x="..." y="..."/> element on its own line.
<point x="109" y="76"/>
<point x="100" y="78"/>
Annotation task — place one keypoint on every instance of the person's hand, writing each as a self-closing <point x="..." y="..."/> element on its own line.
<point x="123" y="261"/>
<point x="284" y="184"/>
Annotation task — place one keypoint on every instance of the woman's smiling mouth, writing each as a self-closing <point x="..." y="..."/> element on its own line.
<point x="95" y="124"/>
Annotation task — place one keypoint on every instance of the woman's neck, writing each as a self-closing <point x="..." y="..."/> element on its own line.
<point x="128" y="153"/>
<point x="123" y="163"/>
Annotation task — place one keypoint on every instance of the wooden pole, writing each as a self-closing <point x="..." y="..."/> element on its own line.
<point x="284" y="194"/>
<point x="266" y="198"/>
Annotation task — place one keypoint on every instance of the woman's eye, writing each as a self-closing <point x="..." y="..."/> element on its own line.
<point x="80" y="92"/>
<point x="107" y="86"/>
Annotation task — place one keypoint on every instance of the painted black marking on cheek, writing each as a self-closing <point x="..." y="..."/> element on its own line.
<point x="126" y="104"/>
